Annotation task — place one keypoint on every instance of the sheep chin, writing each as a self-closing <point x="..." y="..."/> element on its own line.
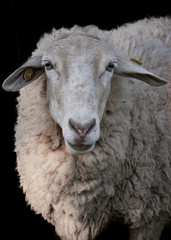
<point x="79" y="149"/>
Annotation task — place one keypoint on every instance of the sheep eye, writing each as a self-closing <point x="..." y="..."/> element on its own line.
<point x="110" y="67"/>
<point x="48" y="65"/>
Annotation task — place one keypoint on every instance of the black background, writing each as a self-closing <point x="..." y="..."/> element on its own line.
<point x="22" y="23"/>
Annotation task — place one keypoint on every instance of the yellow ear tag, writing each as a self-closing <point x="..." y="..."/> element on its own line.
<point x="136" y="60"/>
<point x="28" y="74"/>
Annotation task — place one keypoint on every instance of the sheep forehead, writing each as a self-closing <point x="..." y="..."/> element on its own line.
<point x="74" y="46"/>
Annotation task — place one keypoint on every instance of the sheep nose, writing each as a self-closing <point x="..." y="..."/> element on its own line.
<point x="82" y="129"/>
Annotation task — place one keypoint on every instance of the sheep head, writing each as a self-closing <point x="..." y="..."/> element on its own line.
<point x="79" y="70"/>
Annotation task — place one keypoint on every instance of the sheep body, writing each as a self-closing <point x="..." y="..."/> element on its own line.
<point x="127" y="176"/>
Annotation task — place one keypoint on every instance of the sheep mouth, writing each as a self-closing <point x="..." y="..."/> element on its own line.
<point x="79" y="148"/>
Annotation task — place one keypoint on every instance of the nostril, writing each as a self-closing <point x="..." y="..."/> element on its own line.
<point x="82" y="128"/>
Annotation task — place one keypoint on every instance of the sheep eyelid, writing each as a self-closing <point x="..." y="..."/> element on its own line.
<point x="48" y="65"/>
<point x="111" y="65"/>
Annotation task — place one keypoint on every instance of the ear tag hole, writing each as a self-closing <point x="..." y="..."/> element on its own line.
<point x="28" y="74"/>
<point x="136" y="60"/>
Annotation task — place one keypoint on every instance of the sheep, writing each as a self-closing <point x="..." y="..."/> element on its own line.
<point x="93" y="134"/>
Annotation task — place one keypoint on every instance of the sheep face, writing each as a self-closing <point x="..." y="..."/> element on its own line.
<point x="78" y="85"/>
<point x="79" y="69"/>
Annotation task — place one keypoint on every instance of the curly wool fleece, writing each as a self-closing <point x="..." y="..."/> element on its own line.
<point x="127" y="177"/>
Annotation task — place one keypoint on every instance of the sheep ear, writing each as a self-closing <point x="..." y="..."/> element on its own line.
<point x="24" y="75"/>
<point x="132" y="69"/>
